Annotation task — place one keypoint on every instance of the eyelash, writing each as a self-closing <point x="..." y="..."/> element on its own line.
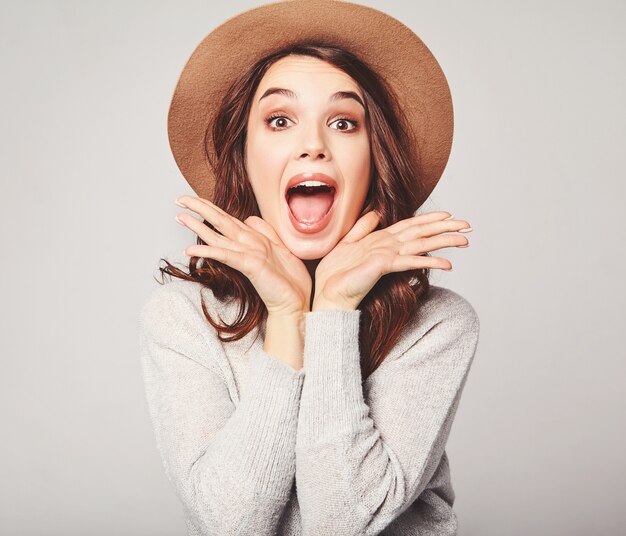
<point x="276" y="116"/>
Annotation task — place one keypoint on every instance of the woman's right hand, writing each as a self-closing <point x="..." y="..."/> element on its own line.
<point x="253" y="248"/>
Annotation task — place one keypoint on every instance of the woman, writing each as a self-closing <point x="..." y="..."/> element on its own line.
<point x="335" y="420"/>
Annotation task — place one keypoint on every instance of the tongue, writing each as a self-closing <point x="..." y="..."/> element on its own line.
<point x="309" y="208"/>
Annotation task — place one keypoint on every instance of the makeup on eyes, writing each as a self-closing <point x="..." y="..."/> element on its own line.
<point x="355" y="122"/>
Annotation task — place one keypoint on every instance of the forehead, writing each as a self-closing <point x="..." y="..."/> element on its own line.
<point x="293" y="71"/>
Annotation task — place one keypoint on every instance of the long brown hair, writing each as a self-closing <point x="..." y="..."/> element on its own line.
<point x="394" y="193"/>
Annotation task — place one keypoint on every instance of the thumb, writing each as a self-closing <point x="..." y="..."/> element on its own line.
<point x="363" y="226"/>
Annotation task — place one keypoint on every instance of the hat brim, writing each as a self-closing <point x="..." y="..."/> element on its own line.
<point x="392" y="49"/>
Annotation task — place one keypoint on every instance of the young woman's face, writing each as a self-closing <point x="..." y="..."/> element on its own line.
<point x="310" y="132"/>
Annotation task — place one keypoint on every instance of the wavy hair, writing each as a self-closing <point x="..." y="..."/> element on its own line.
<point x="394" y="193"/>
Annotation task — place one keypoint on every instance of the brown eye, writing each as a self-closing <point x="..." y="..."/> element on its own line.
<point x="343" y="121"/>
<point x="280" y="126"/>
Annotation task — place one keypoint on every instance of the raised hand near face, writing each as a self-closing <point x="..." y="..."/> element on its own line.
<point x="253" y="248"/>
<point x="348" y="272"/>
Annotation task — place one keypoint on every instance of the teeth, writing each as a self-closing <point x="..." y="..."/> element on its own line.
<point x="310" y="183"/>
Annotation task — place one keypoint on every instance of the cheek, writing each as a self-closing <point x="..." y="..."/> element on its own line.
<point x="263" y="155"/>
<point x="264" y="164"/>
<point x="356" y="165"/>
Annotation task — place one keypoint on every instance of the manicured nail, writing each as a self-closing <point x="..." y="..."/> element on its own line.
<point x="180" y="204"/>
<point x="178" y="220"/>
<point x="448" y="218"/>
<point x="466" y="230"/>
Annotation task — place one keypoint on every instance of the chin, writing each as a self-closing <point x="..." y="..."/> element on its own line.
<point x="310" y="251"/>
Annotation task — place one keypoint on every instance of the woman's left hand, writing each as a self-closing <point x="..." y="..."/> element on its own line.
<point x="345" y="276"/>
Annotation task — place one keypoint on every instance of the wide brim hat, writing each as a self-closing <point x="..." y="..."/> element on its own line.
<point x="385" y="44"/>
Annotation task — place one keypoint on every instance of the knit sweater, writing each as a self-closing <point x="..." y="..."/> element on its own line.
<point x="253" y="446"/>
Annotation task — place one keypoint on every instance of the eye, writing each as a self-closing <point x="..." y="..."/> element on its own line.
<point x="271" y="119"/>
<point x="342" y="120"/>
<point x="347" y="120"/>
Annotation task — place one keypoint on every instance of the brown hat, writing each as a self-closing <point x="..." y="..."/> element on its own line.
<point x="381" y="41"/>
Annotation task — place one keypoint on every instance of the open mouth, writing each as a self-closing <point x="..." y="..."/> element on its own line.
<point x="310" y="207"/>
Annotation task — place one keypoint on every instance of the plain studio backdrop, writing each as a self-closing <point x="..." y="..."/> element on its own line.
<point x="88" y="188"/>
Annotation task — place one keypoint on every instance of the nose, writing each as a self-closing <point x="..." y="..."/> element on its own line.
<point x="314" y="144"/>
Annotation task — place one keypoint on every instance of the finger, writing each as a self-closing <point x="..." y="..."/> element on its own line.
<point x="222" y="211"/>
<point x="431" y="229"/>
<point x="207" y="234"/>
<point x="261" y="226"/>
<point x="424" y="245"/>
<point x="418" y="219"/>
<point x="224" y="222"/>
<point x="364" y="226"/>
<point x="413" y="262"/>
<point x="198" y="202"/>
<point x="234" y="259"/>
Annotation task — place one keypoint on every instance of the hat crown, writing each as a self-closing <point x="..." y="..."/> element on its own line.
<point x="382" y="42"/>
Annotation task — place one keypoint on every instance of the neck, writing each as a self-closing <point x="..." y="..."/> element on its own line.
<point x="311" y="265"/>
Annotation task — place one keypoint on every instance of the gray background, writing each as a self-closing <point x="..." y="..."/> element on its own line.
<point x="88" y="188"/>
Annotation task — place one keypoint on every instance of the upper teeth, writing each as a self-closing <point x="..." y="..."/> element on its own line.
<point x="310" y="183"/>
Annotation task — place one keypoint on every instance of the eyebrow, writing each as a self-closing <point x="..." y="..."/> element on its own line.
<point x="338" y="95"/>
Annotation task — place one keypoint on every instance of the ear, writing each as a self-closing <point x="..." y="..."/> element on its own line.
<point x="261" y="226"/>
<point x="363" y="226"/>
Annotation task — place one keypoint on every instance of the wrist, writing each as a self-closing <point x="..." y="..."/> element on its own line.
<point x="284" y="337"/>
<point x="292" y="311"/>
<point x="321" y="304"/>
<point x="285" y="317"/>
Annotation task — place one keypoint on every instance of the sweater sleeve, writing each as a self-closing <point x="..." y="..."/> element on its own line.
<point x="233" y="468"/>
<point x="360" y="465"/>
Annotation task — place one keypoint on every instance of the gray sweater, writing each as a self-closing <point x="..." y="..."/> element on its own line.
<point x="253" y="446"/>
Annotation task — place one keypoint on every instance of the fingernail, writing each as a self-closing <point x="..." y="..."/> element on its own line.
<point x="180" y="204"/>
<point x="466" y="246"/>
<point x="178" y="220"/>
<point x="448" y="218"/>
<point x="466" y="230"/>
